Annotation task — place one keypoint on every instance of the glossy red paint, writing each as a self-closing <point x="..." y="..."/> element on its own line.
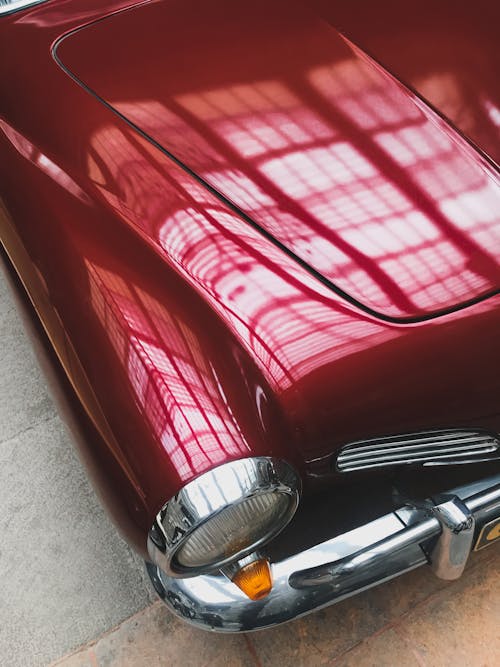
<point x="319" y="147"/>
<point x="447" y="51"/>
<point x="190" y="337"/>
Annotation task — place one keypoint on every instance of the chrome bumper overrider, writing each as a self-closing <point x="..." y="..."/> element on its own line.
<point x="438" y="532"/>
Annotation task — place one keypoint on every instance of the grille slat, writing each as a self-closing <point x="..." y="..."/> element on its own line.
<point x="420" y="443"/>
<point x="417" y="449"/>
<point x="426" y="447"/>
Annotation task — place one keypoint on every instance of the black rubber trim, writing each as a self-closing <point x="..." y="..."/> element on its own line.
<point x="337" y="290"/>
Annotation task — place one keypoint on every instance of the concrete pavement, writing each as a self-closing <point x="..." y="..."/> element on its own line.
<point x="65" y="574"/>
<point x="414" y="621"/>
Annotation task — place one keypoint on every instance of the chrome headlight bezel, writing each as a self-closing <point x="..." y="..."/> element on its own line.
<point x="207" y="496"/>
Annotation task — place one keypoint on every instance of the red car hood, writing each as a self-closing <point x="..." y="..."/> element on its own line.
<point x="311" y="141"/>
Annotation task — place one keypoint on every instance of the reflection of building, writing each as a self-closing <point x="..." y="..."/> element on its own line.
<point x="395" y="215"/>
<point x="395" y="197"/>
<point x="169" y="373"/>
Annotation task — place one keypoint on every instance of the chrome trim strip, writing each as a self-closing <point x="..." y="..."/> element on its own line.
<point x="208" y="495"/>
<point x="343" y="566"/>
<point x="429" y="448"/>
<point x="425" y="438"/>
<point x="17" y="5"/>
<point x="420" y="449"/>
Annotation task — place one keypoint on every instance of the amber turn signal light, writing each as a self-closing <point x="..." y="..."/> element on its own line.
<point x="255" y="579"/>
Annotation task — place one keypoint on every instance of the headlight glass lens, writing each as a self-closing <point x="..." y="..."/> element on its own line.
<point x="235" y="528"/>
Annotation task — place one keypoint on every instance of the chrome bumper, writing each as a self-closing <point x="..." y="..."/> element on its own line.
<point x="440" y="532"/>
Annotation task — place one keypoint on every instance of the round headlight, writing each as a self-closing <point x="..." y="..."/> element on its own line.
<point x="232" y="529"/>
<point x="223" y="515"/>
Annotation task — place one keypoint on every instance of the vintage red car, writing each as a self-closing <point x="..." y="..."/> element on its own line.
<point x="263" y="242"/>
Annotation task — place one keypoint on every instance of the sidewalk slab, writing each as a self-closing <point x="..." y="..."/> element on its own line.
<point x="65" y="574"/>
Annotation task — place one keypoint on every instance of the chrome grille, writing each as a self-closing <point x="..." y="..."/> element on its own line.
<point x="428" y="448"/>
